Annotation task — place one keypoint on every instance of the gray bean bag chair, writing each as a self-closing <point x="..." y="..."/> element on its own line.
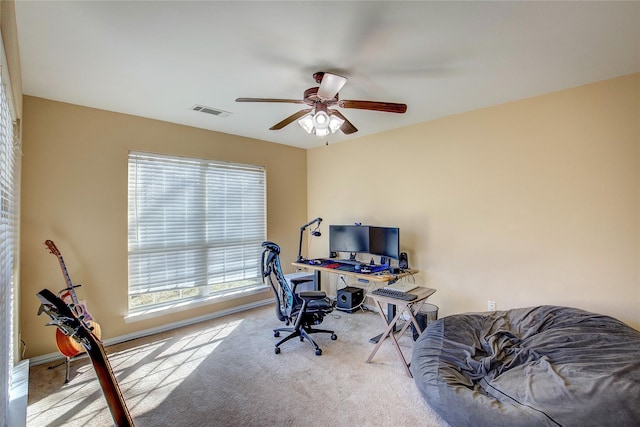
<point x="539" y="366"/>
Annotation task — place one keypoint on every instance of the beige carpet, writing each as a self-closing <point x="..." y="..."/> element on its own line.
<point x="224" y="372"/>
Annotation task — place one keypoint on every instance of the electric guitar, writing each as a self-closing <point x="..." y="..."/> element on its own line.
<point x="66" y="345"/>
<point x="77" y="329"/>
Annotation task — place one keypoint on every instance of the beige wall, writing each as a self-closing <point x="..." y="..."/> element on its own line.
<point x="74" y="192"/>
<point x="532" y="202"/>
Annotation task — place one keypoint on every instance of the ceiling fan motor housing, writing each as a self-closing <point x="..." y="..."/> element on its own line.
<point x="311" y="97"/>
<point x="318" y="76"/>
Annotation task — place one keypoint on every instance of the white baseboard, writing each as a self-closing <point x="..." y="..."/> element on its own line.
<point x="46" y="358"/>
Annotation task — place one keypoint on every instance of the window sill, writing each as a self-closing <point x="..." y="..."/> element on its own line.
<point x="143" y="314"/>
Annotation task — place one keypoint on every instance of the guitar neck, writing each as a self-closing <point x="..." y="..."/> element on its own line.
<point x="112" y="393"/>
<point x="55" y="251"/>
<point x="65" y="273"/>
<point x="67" y="280"/>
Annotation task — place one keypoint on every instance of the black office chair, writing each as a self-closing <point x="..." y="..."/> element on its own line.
<point x="301" y="309"/>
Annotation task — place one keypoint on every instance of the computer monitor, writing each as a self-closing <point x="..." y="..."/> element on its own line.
<point x="368" y="239"/>
<point x="349" y="238"/>
<point x="384" y="241"/>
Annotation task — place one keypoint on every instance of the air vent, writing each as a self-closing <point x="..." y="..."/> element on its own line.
<point x="211" y="110"/>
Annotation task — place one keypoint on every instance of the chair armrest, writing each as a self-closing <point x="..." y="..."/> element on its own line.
<point x="296" y="282"/>
<point x="312" y="295"/>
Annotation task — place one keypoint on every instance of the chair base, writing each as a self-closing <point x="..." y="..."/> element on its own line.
<point x="302" y="332"/>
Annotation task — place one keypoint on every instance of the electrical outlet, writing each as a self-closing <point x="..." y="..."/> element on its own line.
<point x="491" y="305"/>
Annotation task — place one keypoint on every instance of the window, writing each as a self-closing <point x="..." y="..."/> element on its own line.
<point x="195" y="229"/>
<point x="9" y="203"/>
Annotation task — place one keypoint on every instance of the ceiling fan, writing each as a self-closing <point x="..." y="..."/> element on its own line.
<point x="319" y="119"/>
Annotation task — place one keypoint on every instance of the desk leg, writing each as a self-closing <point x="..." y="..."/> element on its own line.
<point x="389" y="334"/>
<point x="391" y="313"/>
<point x="317" y="277"/>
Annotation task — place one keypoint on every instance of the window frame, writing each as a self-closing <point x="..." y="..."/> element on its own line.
<point x="10" y="164"/>
<point x="200" y="178"/>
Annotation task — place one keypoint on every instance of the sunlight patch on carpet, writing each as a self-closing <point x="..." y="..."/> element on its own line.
<point x="147" y="375"/>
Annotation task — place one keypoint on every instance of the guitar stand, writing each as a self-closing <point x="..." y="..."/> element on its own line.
<point x="67" y="363"/>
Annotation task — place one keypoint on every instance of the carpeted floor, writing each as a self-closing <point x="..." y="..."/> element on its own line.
<point x="224" y="372"/>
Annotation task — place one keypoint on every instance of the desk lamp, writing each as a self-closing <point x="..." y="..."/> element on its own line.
<point x="315" y="232"/>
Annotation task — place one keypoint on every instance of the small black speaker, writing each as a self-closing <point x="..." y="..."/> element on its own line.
<point x="349" y="298"/>
<point x="403" y="261"/>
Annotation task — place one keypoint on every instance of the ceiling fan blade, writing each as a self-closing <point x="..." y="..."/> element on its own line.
<point x="290" y="119"/>
<point x="331" y="85"/>
<point x="288" y="101"/>
<point x="389" y="107"/>
<point x="347" y="127"/>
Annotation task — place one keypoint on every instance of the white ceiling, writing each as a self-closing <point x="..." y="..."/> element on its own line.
<point x="157" y="59"/>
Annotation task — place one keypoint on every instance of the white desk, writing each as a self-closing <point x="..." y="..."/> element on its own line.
<point x="411" y="307"/>
<point x="382" y="277"/>
<point x="379" y="278"/>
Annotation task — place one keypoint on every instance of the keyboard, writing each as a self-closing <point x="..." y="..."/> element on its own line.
<point x="393" y="293"/>
<point x="348" y="265"/>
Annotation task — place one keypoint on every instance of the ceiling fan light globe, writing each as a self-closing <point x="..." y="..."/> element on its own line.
<point x="322" y="132"/>
<point x="321" y="120"/>
<point x="335" y="123"/>
<point x="306" y="123"/>
<point x="320" y="123"/>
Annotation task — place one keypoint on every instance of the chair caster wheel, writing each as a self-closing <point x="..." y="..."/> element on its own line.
<point x="319" y="352"/>
<point x="301" y="338"/>
<point x="334" y="337"/>
<point x="277" y="350"/>
<point x="276" y="334"/>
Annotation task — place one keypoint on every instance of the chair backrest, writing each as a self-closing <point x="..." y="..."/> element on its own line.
<point x="287" y="302"/>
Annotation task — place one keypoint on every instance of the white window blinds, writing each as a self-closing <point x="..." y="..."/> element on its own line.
<point x="195" y="227"/>
<point x="9" y="205"/>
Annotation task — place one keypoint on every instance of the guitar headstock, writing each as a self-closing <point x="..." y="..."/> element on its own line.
<point x="65" y="319"/>
<point x="52" y="247"/>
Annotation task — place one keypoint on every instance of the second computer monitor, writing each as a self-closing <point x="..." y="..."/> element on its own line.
<point x="384" y="241"/>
